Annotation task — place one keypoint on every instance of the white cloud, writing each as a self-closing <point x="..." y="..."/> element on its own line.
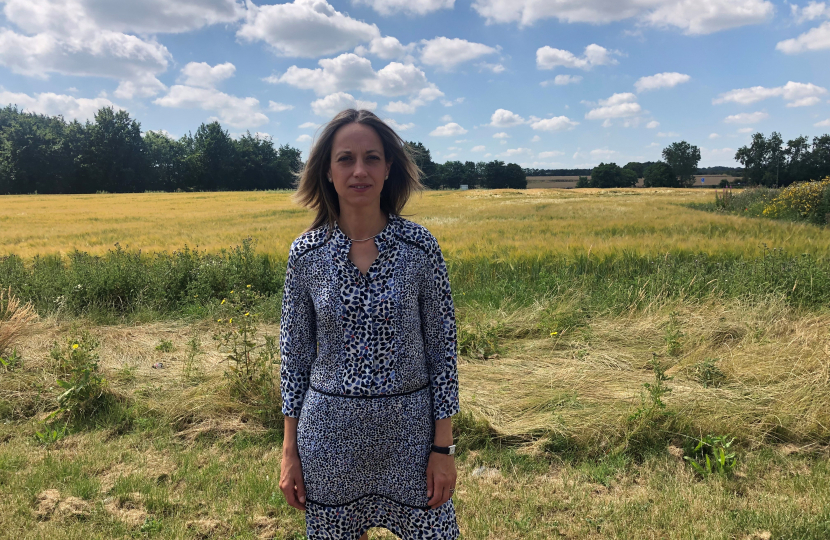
<point x="503" y="118"/>
<point x="501" y="135"/>
<point x="661" y="80"/>
<point x="51" y="104"/>
<point x="513" y="152"/>
<point x="279" y="107"/>
<point x="746" y="118"/>
<point x="714" y="136"/>
<point x="536" y="138"/>
<point x="746" y="130"/>
<point x="425" y="96"/>
<point x="602" y="153"/>
<point x="334" y="103"/>
<point x="668" y="134"/>
<point x="309" y="125"/>
<point x="446" y="118"/>
<point x="823" y="123"/>
<point x="388" y="48"/>
<point x="304" y="138"/>
<point x="594" y="55"/>
<point x="815" y="39"/>
<point x="554" y="153"/>
<point x="477" y="149"/>
<point x="232" y="110"/>
<point x="203" y="75"/>
<point x="305" y="28"/>
<point x="495" y="68"/>
<point x="562" y="80"/>
<point x="449" y="130"/>
<point x="448" y="103"/>
<point x="810" y="12"/>
<point x="557" y="123"/>
<point x="352" y="72"/>
<point x="692" y="16"/>
<point x="653" y="124"/>
<point x="414" y="7"/>
<point x="617" y="106"/>
<point x="796" y="94"/>
<point x="447" y="53"/>
<point x="397" y="126"/>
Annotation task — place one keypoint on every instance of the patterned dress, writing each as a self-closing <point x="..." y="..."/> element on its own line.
<point x="368" y="365"/>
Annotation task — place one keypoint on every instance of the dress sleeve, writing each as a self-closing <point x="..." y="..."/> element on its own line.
<point x="298" y="339"/>
<point x="439" y="333"/>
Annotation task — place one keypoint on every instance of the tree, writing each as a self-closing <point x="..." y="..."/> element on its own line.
<point x="610" y="175"/>
<point x="515" y="177"/>
<point x="166" y="162"/>
<point x="213" y="159"/>
<point x="660" y="175"/>
<point x="635" y="166"/>
<point x="683" y="158"/>
<point x="423" y="160"/>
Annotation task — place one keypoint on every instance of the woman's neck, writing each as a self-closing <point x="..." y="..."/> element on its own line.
<point x="359" y="224"/>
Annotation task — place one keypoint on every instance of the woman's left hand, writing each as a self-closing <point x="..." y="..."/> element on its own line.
<point x="441" y="478"/>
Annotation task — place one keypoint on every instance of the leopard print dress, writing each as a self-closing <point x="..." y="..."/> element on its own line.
<point x="368" y="365"/>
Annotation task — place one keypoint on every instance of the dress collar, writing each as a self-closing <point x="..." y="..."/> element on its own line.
<point x="383" y="240"/>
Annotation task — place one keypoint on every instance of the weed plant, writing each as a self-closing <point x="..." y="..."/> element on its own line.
<point x="85" y="388"/>
<point x="711" y="454"/>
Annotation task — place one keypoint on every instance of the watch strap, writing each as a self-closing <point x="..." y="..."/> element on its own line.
<point x="448" y="450"/>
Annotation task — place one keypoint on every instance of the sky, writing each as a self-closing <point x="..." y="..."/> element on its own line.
<point x="542" y="83"/>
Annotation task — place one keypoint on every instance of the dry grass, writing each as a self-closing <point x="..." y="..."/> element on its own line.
<point x="15" y="320"/>
<point x="498" y="223"/>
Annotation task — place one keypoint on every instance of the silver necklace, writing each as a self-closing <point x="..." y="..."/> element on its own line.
<point x="365" y="239"/>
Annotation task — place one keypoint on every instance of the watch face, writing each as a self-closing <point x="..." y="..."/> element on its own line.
<point x="452" y="449"/>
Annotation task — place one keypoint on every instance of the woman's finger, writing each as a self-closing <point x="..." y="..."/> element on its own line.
<point x="439" y="485"/>
<point x="301" y="493"/>
<point x="430" y="482"/>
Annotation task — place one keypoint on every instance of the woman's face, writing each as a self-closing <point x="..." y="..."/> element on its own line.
<point x="358" y="167"/>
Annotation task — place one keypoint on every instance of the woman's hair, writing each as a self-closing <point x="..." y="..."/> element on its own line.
<point x="316" y="192"/>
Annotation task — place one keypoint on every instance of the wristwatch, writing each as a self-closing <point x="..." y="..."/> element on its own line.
<point x="448" y="450"/>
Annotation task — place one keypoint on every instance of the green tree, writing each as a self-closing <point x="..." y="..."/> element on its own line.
<point x="637" y="167"/>
<point x="213" y="164"/>
<point x="166" y="159"/>
<point x="429" y="171"/>
<point x="683" y="158"/>
<point x="610" y="175"/>
<point x="114" y="158"/>
<point x="660" y="175"/>
<point x="515" y="177"/>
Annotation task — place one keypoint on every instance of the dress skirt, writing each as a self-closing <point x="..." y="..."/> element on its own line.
<point x="364" y="461"/>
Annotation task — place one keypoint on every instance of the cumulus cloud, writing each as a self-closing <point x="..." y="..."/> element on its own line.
<point x="232" y="110"/>
<point x="206" y="76"/>
<point x="448" y="130"/>
<point x="51" y="104"/>
<point x="823" y="123"/>
<point x="501" y="135"/>
<point x="746" y="118"/>
<point x="815" y="39"/>
<point x="424" y="96"/>
<point x="503" y="118"/>
<point x="661" y="80"/>
<point x="668" y="134"/>
<point x="692" y="16"/>
<point x="594" y="55"/>
<point x="562" y="80"/>
<point x="795" y="94"/>
<point x="602" y="153"/>
<point x="554" y="153"/>
<point x="305" y="28"/>
<point x="810" y="12"/>
<point x="387" y="47"/>
<point x="617" y="106"/>
<point x="352" y="72"/>
<point x="273" y="106"/>
<point x="446" y="53"/>
<point x="653" y="124"/>
<point x="413" y="7"/>
<point x="714" y="136"/>
<point x="513" y="152"/>
<point x="309" y="125"/>
<point x="477" y="149"/>
<point x="93" y="38"/>
<point x="494" y="68"/>
<point x="304" y="138"/>
<point x="536" y="138"/>
<point x="558" y="123"/>
<point x="398" y="126"/>
<point x="334" y="103"/>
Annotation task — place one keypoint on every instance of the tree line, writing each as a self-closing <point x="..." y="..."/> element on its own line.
<point x="677" y="170"/>
<point x="768" y="162"/>
<point x="453" y="174"/>
<point x="46" y="154"/>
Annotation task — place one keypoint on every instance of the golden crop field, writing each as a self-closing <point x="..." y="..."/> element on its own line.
<point x="501" y="223"/>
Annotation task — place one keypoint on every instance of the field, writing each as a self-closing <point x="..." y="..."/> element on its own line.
<point x="569" y="303"/>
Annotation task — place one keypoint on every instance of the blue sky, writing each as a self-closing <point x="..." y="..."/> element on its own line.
<point x="543" y="83"/>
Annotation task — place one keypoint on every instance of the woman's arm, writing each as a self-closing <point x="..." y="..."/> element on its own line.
<point x="291" y="470"/>
<point x="441" y="474"/>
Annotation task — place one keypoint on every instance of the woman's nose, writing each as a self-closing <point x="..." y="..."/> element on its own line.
<point x="360" y="167"/>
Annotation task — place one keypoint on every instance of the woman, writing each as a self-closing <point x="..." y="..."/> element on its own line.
<point x="367" y="338"/>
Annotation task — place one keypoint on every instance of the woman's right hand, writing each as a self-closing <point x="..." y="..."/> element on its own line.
<point x="291" y="470"/>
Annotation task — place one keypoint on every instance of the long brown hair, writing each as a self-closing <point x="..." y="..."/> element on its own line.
<point x="316" y="192"/>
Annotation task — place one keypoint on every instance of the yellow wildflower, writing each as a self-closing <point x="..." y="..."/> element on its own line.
<point x="247" y="313"/>
<point x="222" y="302"/>
<point x="231" y="292"/>
<point x="554" y="333"/>
<point x="74" y="346"/>
<point x="249" y="286"/>
<point x="230" y="320"/>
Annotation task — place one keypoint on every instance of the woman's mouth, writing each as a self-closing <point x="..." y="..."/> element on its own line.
<point x="360" y="188"/>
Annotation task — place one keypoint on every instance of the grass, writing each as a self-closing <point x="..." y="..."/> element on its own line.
<point x="556" y="349"/>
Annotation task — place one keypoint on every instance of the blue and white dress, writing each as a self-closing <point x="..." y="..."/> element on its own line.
<point x="368" y="364"/>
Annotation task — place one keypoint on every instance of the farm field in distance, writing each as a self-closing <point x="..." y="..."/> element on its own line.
<point x="602" y="333"/>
